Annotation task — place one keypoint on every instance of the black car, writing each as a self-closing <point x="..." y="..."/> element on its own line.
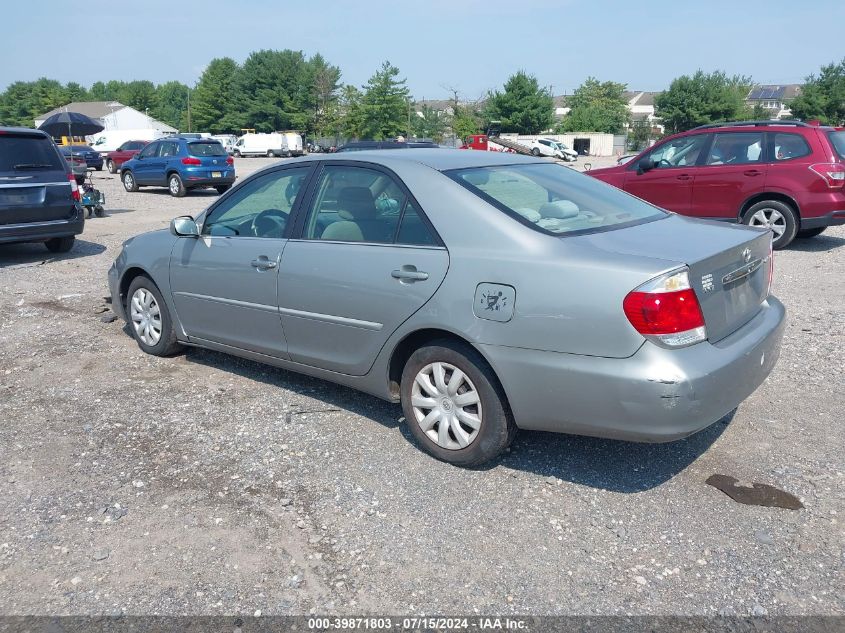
<point x="92" y="157"/>
<point x="39" y="198"/>
<point x="362" y="146"/>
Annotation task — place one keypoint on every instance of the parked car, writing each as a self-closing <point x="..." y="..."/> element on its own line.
<point x="127" y="150"/>
<point x="92" y="158"/>
<point x="551" y="148"/>
<point x="180" y="164"/>
<point x="486" y="292"/>
<point x="78" y="166"/>
<point x="268" y="145"/>
<point x="784" y="175"/>
<point x="39" y="197"/>
<point x="361" y="146"/>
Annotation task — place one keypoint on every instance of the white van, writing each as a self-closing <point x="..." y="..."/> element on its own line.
<point x="105" y="142"/>
<point x="260" y="145"/>
<point x="226" y="140"/>
<point x="293" y="144"/>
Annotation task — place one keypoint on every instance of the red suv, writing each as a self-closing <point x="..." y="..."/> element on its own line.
<point x="785" y="175"/>
<point x="123" y="153"/>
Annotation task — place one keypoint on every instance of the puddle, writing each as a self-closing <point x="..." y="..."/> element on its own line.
<point x="756" y="495"/>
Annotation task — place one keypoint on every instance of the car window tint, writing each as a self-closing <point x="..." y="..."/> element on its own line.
<point x="168" y="148"/>
<point x="355" y="204"/>
<point x="413" y="230"/>
<point x="260" y="208"/>
<point x="27" y="151"/>
<point x="681" y="152"/>
<point x="206" y="148"/>
<point x="789" y="146"/>
<point x="149" y="150"/>
<point x="736" y="148"/>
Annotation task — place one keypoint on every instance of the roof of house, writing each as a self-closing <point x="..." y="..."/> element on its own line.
<point x="93" y="109"/>
<point x="779" y="92"/>
<point x="639" y="97"/>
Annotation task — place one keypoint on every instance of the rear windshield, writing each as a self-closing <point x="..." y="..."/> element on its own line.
<point x="21" y="152"/>
<point x="206" y="148"/>
<point x="837" y="139"/>
<point x="555" y="199"/>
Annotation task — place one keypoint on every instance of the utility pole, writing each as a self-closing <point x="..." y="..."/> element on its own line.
<point x="408" y="136"/>
<point x="189" y="109"/>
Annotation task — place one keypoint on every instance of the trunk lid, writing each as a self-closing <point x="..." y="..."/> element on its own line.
<point x="728" y="264"/>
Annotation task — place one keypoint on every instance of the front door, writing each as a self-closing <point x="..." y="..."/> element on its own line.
<point x="366" y="260"/>
<point x="669" y="181"/>
<point x="145" y="163"/>
<point x="224" y="283"/>
<point x="734" y="171"/>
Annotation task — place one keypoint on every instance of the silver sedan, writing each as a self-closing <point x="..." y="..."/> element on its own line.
<point x="485" y="292"/>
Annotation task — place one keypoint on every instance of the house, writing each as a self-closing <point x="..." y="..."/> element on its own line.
<point x="641" y="107"/>
<point x="113" y="115"/>
<point x="774" y="98"/>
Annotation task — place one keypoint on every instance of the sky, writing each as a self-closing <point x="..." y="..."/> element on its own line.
<point x="469" y="45"/>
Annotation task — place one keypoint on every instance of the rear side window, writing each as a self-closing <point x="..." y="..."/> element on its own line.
<point x="21" y="152"/>
<point x="736" y="148"/>
<point x="206" y="149"/>
<point x="837" y="139"/>
<point x="168" y="148"/>
<point x="789" y="146"/>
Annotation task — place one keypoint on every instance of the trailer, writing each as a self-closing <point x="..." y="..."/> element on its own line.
<point x="492" y="142"/>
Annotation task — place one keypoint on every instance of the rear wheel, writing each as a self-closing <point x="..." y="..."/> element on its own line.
<point x="221" y="189"/>
<point x="150" y="319"/>
<point x="805" y="233"/>
<point x="270" y="153"/>
<point x="60" y="244"/>
<point x="454" y="406"/>
<point x="111" y="167"/>
<point x="777" y="216"/>
<point x="176" y="186"/>
<point x="129" y="182"/>
<point x="535" y="152"/>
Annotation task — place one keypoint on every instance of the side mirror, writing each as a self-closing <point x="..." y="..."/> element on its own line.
<point x="646" y="164"/>
<point x="184" y="226"/>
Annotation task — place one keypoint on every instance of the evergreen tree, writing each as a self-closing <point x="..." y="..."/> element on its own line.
<point x="385" y="105"/>
<point x="523" y="107"/>
<point x="213" y="104"/>
<point x="597" y="107"/>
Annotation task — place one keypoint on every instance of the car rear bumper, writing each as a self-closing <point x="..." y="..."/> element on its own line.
<point x="656" y="395"/>
<point x="41" y="231"/>
<point x="834" y="218"/>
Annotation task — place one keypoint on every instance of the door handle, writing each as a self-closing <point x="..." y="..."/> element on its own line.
<point x="684" y="177"/>
<point x="409" y="274"/>
<point x="753" y="172"/>
<point x="262" y="263"/>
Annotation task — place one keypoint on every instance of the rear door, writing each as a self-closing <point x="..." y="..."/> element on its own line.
<point x="669" y="184"/>
<point x="365" y="261"/>
<point x="733" y="171"/>
<point x="34" y="185"/>
<point x="212" y="158"/>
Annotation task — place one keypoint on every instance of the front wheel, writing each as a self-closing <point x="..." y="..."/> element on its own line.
<point x="129" y="182"/>
<point x="454" y="406"/>
<point x="777" y="216"/>
<point x="807" y="233"/>
<point x="176" y="186"/>
<point x="60" y="244"/>
<point x="150" y="319"/>
<point x="236" y="154"/>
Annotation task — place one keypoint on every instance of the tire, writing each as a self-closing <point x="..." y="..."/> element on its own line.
<point x="100" y="168"/>
<point x="142" y="319"/>
<point x="111" y="167"/>
<point x="777" y="215"/>
<point x="221" y="189"/>
<point x="175" y="186"/>
<point x="129" y="182"/>
<point x="236" y="154"/>
<point x="99" y="211"/>
<point x="463" y="446"/>
<point x="807" y="233"/>
<point x="60" y="244"/>
<point x="535" y="152"/>
<point x="271" y="153"/>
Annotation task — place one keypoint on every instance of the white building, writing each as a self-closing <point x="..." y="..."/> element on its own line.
<point x="113" y="115"/>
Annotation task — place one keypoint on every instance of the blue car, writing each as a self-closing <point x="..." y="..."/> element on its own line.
<point x="180" y="164"/>
<point x="92" y="158"/>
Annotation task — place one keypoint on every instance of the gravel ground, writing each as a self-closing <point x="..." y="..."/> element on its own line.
<point x="204" y="484"/>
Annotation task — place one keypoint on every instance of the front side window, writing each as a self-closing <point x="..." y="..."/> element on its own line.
<point x="681" y="152"/>
<point x="149" y="150"/>
<point x="736" y="148"/>
<point x="355" y="204"/>
<point x="260" y="208"/>
<point x="555" y="199"/>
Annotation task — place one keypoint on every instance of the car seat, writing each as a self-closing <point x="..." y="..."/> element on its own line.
<point x="359" y="219"/>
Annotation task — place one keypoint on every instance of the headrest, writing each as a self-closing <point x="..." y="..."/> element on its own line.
<point x="356" y="203"/>
<point x="479" y="177"/>
<point x="560" y="209"/>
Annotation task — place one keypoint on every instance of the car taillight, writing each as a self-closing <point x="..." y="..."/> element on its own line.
<point x="190" y="160"/>
<point x="666" y="310"/>
<point x="230" y="161"/>
<point x="832" y="173"/>
<point x="74" y="188"/>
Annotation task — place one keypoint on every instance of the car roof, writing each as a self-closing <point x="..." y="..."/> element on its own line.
<point x="22" y="130"/>
<point x="441" y="159"/>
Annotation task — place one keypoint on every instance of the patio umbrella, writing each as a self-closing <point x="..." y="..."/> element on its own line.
<point x="72" y="123"/>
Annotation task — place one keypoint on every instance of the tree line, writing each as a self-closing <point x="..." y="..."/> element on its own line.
<point x="284" y="89"/>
